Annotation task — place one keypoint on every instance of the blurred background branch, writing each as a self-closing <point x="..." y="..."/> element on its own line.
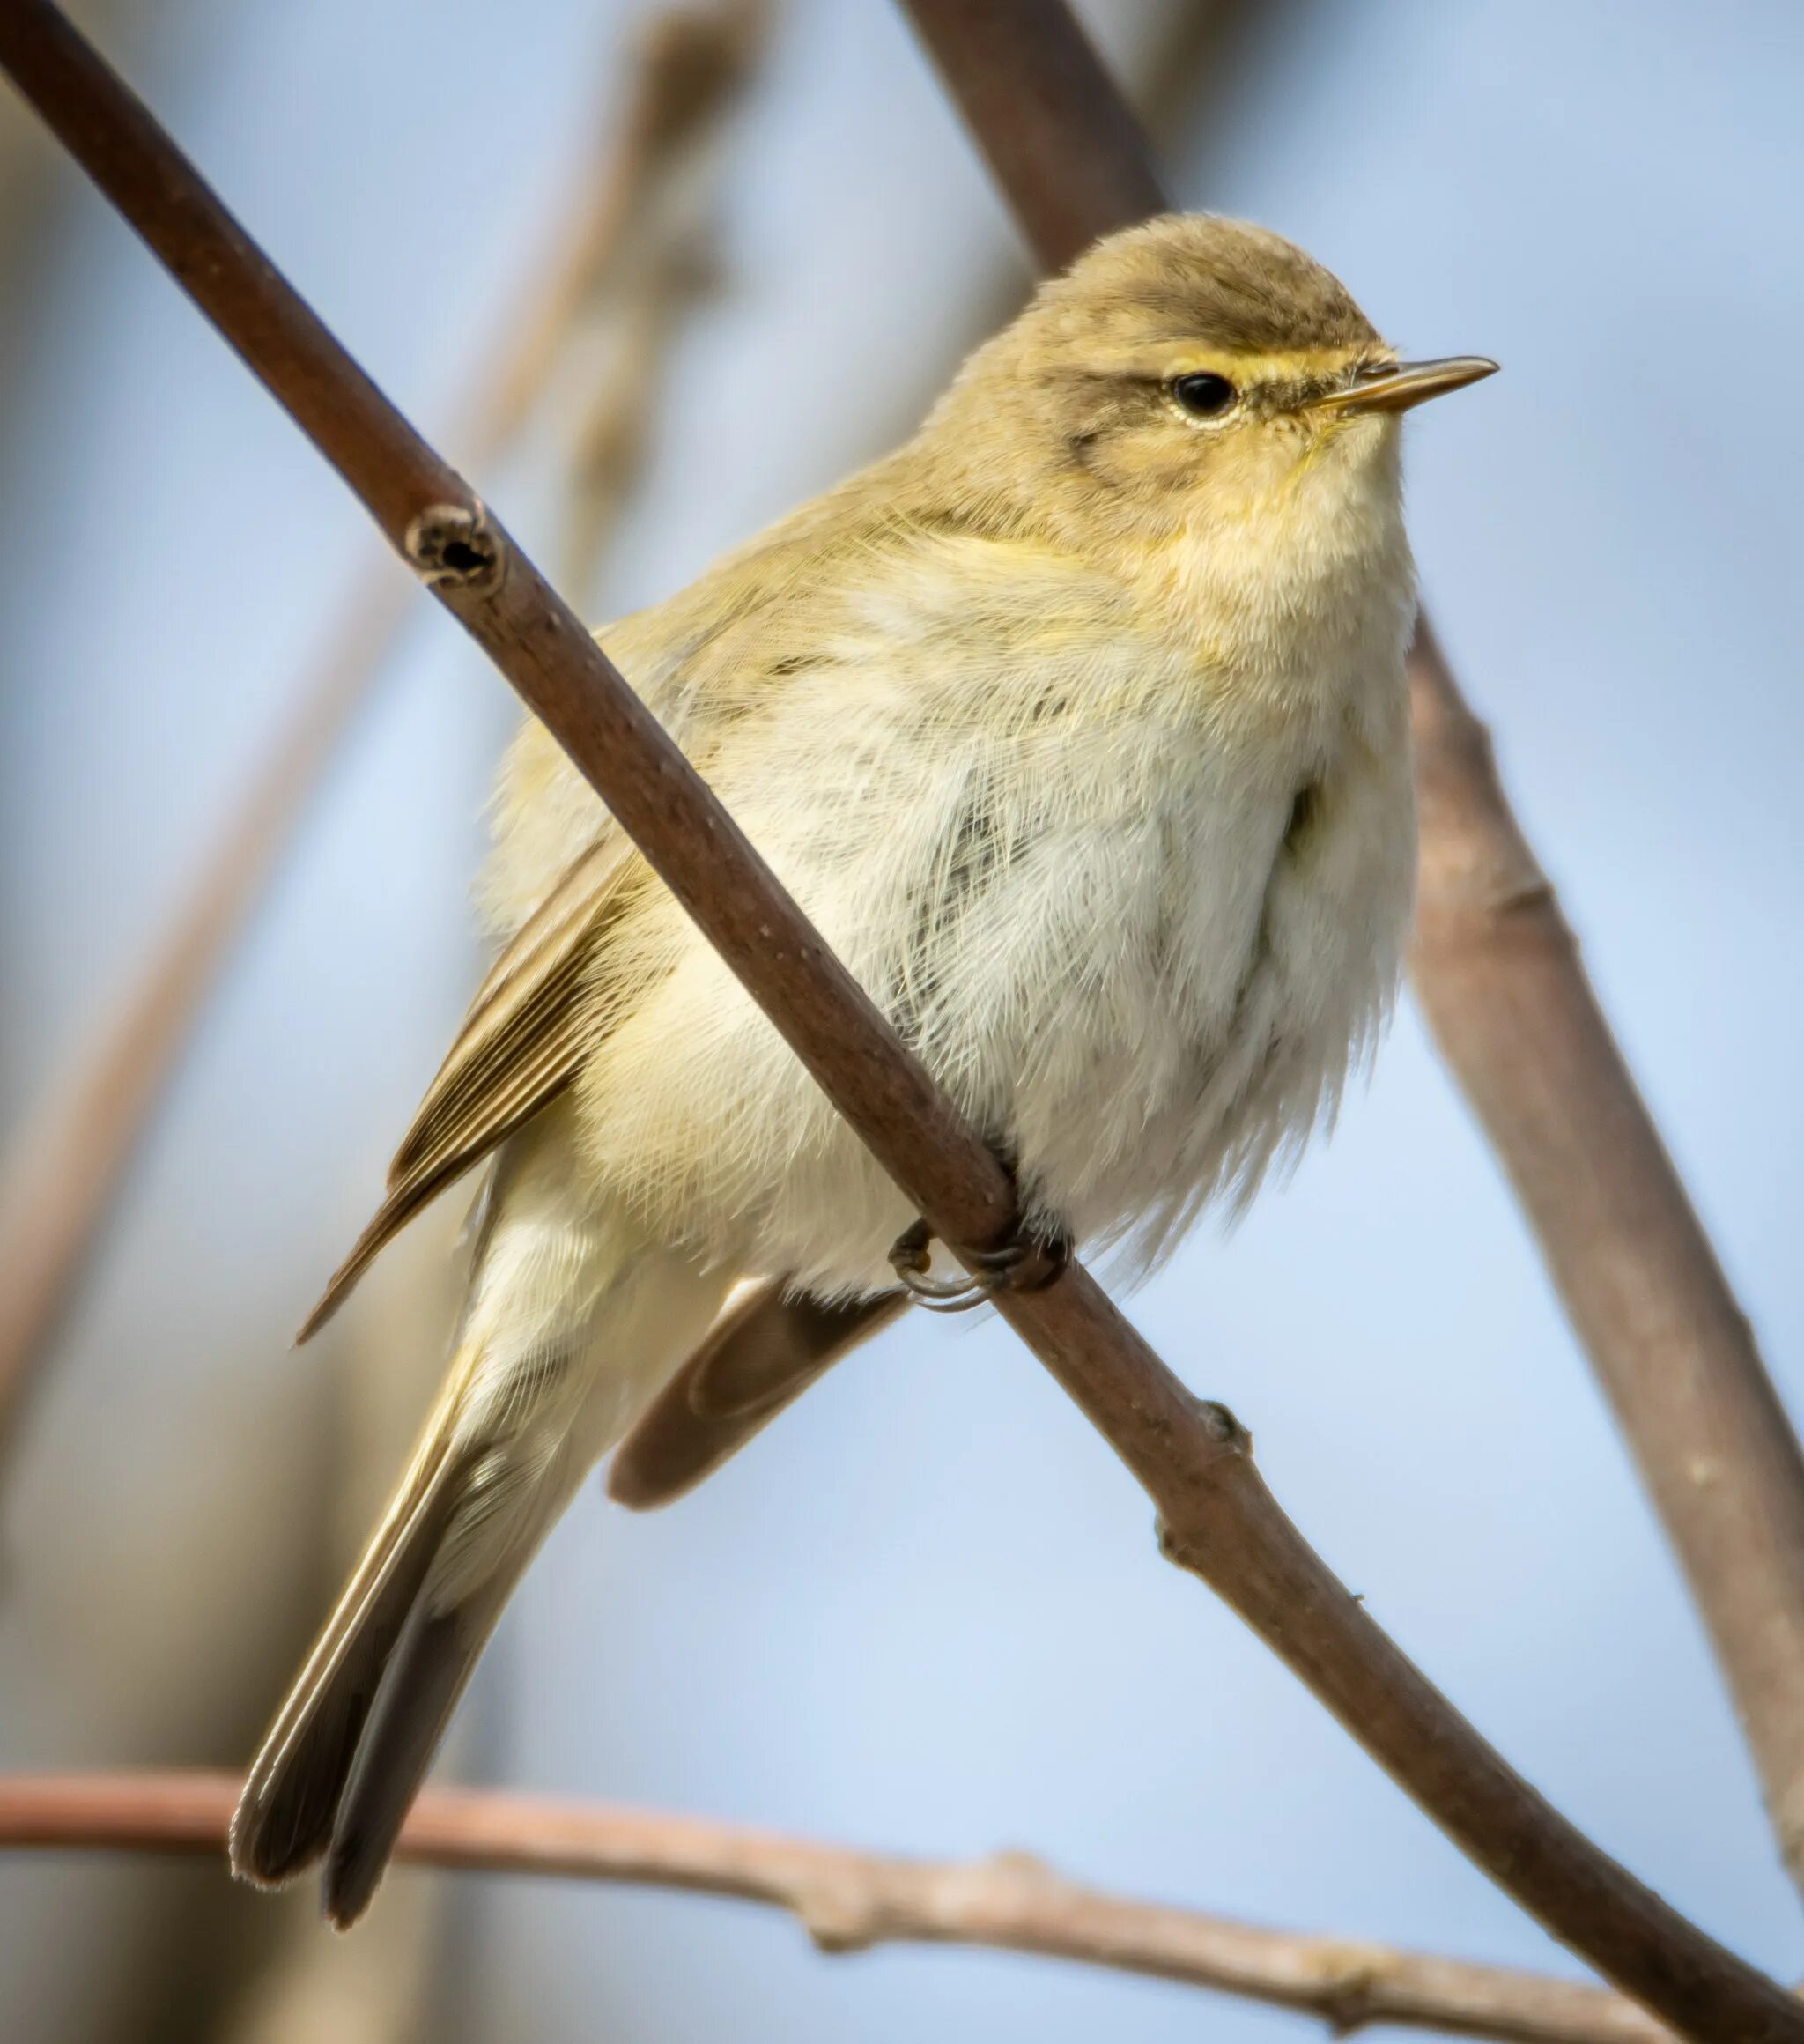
<point x="1498" y="972"/>
<point x="628" y="250"/>
<point x="850" y="1902"/>
<point x="651" y="174"/>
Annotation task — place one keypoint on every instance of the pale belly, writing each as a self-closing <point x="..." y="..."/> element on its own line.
<point x="1136" y="995"/>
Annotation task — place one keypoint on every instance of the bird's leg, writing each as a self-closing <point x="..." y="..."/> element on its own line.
<point x="1023" y="1262"/>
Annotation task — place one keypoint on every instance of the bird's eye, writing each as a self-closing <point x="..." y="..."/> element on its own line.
<point x="1202" y="394"/>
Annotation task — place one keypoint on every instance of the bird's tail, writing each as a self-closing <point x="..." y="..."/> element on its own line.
<point x="570" y="1324"/>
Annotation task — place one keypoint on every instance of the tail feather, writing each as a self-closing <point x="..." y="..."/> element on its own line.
<point x="285" y="1815"/>
<point x="351" y="1747"/>
<point x="570" y="1324"/>
<point x="756" y="1359"/>
<point x="428" y="1670"/>
<point x="503" y="1505"/>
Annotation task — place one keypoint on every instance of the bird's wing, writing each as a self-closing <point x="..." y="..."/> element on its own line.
<point x="697" y="659"/>
<point x="762" y="1353"/>
<point x="701" y="659"/>
<point x="519" y="1045"/>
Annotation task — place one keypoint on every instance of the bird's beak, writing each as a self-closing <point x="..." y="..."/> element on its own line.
<point x="1410" y="383"/>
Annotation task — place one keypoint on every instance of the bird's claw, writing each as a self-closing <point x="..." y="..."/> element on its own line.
<point x="1022" y="1263"/>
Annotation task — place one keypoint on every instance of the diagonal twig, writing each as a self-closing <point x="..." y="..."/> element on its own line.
<point x="1498" y="972"/>
<point x="848" y="1900"/>
<point x="60" y="1182"/>
<point x="1217" y="1517"/>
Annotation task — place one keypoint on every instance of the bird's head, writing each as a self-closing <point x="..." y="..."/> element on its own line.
<point x="1188" y="371"/>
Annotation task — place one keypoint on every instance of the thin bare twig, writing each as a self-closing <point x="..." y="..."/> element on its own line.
<point x="65" y="1172"/>
<point x="1193" y="1459"/>
<point x="850" y="1902"/>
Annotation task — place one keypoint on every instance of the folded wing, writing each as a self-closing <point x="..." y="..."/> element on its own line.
<point x="520" y="1046"/>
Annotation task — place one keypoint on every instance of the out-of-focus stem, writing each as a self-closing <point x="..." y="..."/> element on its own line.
<point x="851" y="1901"/>
<point x="63" y="1175"/>
<point x="1498" y="973"/>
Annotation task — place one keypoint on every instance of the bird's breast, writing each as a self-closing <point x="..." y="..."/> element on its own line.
<point x="1132" y="927"/>
<point x="1142" y="961"/>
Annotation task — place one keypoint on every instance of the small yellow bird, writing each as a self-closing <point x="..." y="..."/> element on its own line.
<point x="1078" y="727"/>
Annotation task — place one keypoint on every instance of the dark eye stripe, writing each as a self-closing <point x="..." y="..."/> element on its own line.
<point x="1202" y="394"/>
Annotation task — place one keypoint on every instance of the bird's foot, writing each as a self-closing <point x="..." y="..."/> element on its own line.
<point x="1024" y="1263"/>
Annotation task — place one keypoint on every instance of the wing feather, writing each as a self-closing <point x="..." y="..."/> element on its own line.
<point x="762" y="1353"/>
<point x="520" y="1046"/>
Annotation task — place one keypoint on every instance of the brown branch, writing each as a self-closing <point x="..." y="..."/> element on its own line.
<point x="65" y="1172"/>
<point x="1193" y="1458"/>
<point x="1498" y="975"/>
<point x="850" y="1902"/>
<point x="1058" y="138"/>
<point x="1498" y="972"/>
